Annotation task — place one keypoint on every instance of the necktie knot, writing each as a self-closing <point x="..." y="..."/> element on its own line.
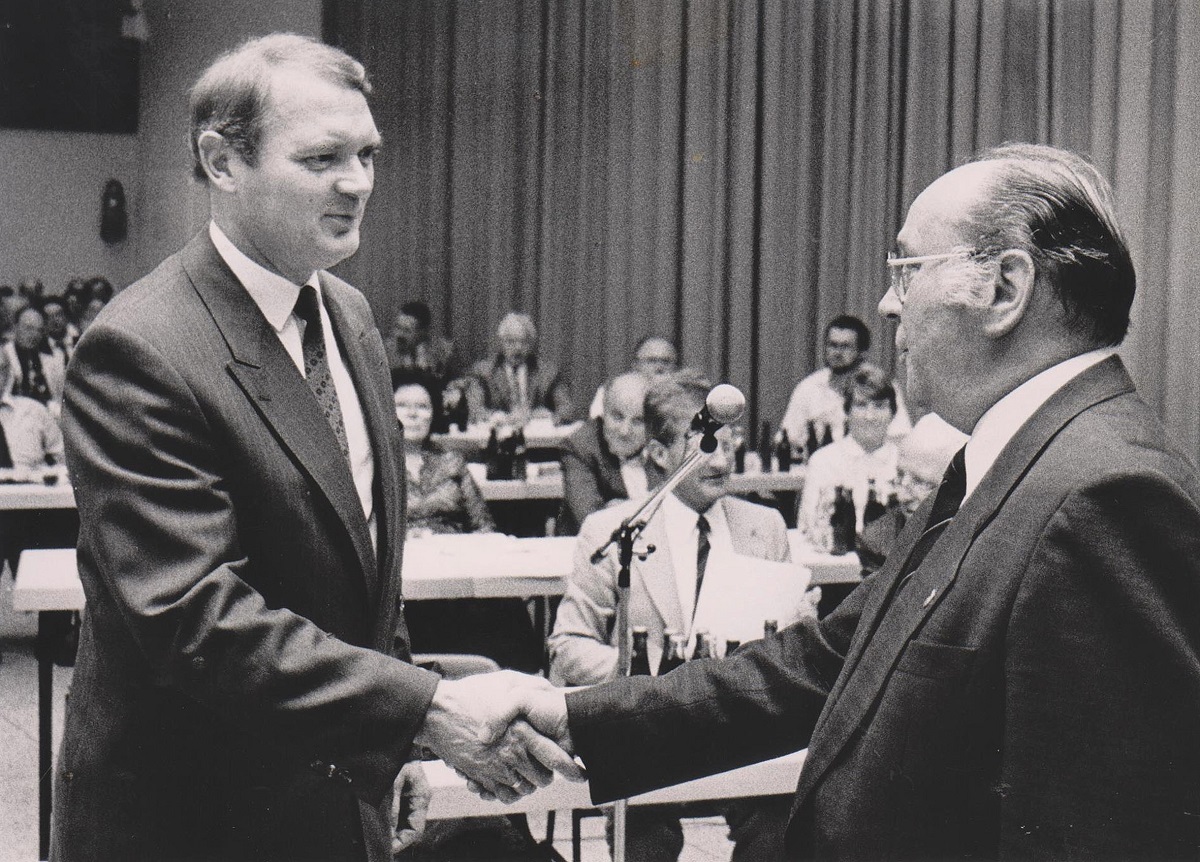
<point x="308" y="307"/>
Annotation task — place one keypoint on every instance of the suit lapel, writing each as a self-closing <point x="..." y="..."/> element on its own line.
<point x="272" y="383"/>
<point x="883" y="632"/>
<point x="657" y="574"/>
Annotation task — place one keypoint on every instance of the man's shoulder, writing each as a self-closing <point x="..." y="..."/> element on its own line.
<point x="27" y="407"/>
<point x="585" y="440"/>
<point x="604" y="521"/>
<point x="748" y="513"/>
<point x="819" y="378"/>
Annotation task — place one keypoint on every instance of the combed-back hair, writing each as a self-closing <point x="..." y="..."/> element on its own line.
<point x="231" y="96"/>
<point x="672" y="401"/>
<point x="1055" y="205"/>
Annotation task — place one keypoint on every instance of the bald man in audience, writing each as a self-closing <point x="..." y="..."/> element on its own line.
<point x="602" y="461"/>
<point x="655" y="356"/>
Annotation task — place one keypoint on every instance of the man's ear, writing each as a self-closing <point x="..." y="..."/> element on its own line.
<point x="215" y="157"/>
<point x="1012" y="292"/>
<point x="658" y="454"/>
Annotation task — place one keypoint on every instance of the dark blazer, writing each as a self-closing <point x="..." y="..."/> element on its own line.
<point x="547" y="388"/>
<point x="1032" y="692"/>
<point x="233" y="696"/>
<point x="591" y="476"/>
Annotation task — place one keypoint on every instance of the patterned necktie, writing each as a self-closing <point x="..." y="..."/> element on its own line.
<point x="316" y="364"/>
<point x="702" y="548"/>
<point x="945" y="506"/>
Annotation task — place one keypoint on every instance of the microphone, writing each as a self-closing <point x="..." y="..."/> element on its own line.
<point x="724" y="404"/>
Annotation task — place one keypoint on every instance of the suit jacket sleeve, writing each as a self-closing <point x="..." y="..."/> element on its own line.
<point x="641" y="733"/>
<point x="580" y="648"/>
<point x="165" y="542"/>
<point x="1099" y="751"/>
<point x="581" y="487"/>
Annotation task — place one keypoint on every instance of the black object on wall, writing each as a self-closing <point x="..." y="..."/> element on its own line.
<point x="114" y="220"/>
<point x="64" y="66"/>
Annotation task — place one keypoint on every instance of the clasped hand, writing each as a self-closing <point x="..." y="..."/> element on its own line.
<point x="505" y="732"/>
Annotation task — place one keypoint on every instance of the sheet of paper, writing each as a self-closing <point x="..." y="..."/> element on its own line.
<point x="741" y="592"/>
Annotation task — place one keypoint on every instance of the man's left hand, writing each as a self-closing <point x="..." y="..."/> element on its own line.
<point x="410" y="805"/>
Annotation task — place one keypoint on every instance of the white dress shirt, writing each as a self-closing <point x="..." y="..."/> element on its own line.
<point x="1004" y="418"/>
<point x="633" y="474"/>
<point x="276" y="298"/>
<point x="683" y="538"/>
<point x="843" y="463"/>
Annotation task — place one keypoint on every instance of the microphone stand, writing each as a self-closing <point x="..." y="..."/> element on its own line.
<point x="624" y="536"/>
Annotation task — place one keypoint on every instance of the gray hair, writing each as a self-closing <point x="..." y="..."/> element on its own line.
<point x="1055" y="205"/>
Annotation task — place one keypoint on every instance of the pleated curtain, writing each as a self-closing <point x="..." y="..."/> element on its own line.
<point x="732" y="174"/>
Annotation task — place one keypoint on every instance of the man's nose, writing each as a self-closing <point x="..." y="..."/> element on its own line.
<point x="356" y="179"/>
<point x="889" y="305"/>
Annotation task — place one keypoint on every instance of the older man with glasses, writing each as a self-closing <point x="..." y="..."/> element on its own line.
<point x="1021" y="678"/>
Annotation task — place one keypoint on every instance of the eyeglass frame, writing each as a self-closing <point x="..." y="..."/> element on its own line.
<point x="898" y="282"/>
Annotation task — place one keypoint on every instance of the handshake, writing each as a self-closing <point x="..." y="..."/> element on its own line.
<point x="505" y="732"/>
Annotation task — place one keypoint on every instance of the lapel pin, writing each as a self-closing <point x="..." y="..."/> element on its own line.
<point x="929" y="598"/>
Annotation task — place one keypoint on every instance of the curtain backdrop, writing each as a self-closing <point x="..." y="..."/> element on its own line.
<point x="732" y="174"/>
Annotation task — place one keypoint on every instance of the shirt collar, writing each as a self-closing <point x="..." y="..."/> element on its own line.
<point x="681" y="511"/>
<point x="274" y="295"/>
<point x="1004" y="418"/>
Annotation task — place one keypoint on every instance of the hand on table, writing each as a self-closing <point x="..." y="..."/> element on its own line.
<point x="470" y="725"/>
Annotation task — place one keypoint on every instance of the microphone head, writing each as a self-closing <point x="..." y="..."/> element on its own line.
<point x="725" y="403"/>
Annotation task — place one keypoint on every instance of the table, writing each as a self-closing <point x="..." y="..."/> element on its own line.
<point x="436" y="567"/>
<point x="549" y="485"/>
<point x="30" y="495"/>
<point x="539" y="434"/>
<point x="452" y="799"/>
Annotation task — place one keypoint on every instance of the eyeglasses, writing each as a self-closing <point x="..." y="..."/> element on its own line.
<point x="901" y="269"/>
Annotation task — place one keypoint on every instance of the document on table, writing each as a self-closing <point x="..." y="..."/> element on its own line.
<point x="740" y="592"/>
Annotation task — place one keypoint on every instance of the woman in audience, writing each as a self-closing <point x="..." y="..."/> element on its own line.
<point x="443" y="498"/>
<point x="862" y="461"/>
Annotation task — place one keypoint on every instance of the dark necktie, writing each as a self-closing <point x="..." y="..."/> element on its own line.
<point x="316" y="365"/>
<point x="5" y="453"/>
<point x="702" y="548"/>
<point x="945" y="506"/>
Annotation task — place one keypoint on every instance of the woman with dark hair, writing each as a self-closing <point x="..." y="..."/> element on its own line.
<point x="443" y="498"/>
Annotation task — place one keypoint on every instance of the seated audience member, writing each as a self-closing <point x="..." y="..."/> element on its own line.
<point x="696" y="518"/>
<point x="820" y="397"/>
<point x="654" y="356"/>
<point x="516" y="382"/>
<point x="38" y="373"/>
<point x="94" y="306"/>
<point x="30" y="442"/>
<point x="73" y="301"/>
<point x="61" y="333"/>
<point x="412" y="344"/>
<point x="864" y="458"/>
<point x="99" y="287"/>
<point x="443" y="498"/>
<point x="602" y="461"/>
<point x="924" y="455"/>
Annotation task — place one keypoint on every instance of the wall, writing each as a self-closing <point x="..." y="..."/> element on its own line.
<point x="50" y="188"/>
<point x="185" y="36"/>
<point x="51" y="182"/>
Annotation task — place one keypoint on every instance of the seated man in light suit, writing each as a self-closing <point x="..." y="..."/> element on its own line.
<point x="602" y="461"/>
<point x="697" y="516"/>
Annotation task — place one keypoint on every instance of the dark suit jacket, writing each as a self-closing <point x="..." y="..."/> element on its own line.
<point x="547" y="389"/>
<point x="233" y="697"/>
<point x="591" y="476"/>
<point x="1032" y="692"/>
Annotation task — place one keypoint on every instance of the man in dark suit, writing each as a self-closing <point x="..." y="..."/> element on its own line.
<point x="1021" y="677"/>
<point x="516" y="381"/>
<point x="239" y="692"/>
<point x="602" y="460"/>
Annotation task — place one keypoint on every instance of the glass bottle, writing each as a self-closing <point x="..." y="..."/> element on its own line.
<point x="842" y="524"/>
<point x="639" y="664"/>
<point x="675" y="654"/>
<point x="770" y="628"/>
<point x="764" y="447"/>
<point x="783" y="451"/>
<point x="704" y="645"/>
